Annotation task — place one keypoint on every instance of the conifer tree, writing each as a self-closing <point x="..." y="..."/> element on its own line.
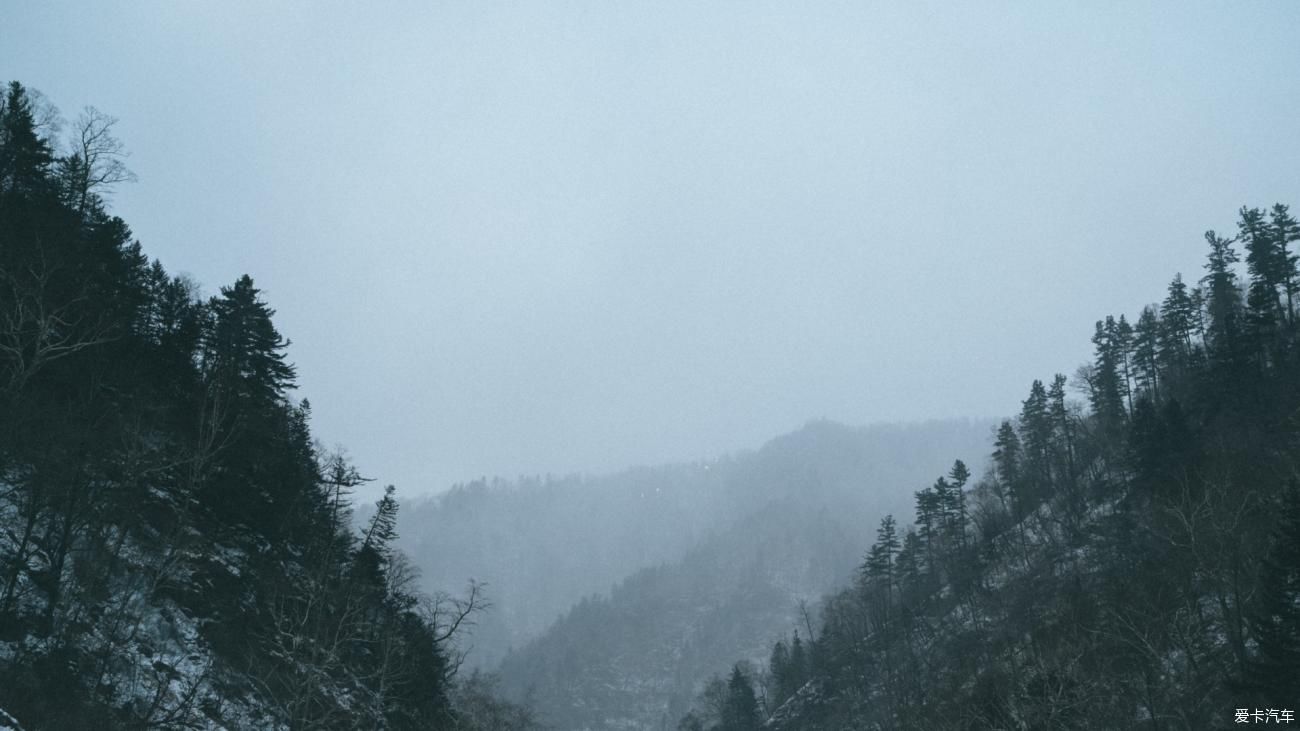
<point x="1036" y="429"/>
<point x="382" y="529"/>
<point x="244" y="349"/>
<point x="1062" y="423"/>
<point x="778" y="671"/>
<point x="153" y="469"/>
<point x="959" y="475"/>
<point x="1177" y="316"/>
<point x="1124" y="349"/>
<point x="1223" y="303"/>
<point x="928" y="512"/>
<point x="1285" y="230"/>
<point x="1006" y="456"/>
<point x="25" y="156"/>
<point x="740" y="713"/>
<point x="1107" y="385"/>
<point x="878" y="569"/>
<point x="1146" y="352"/>
<point x="1180" y="324"/>
<point x="1266" y="262"/>
<point x="908" y="564"/>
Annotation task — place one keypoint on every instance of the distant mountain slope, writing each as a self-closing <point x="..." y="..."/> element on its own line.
<point x="770" y="517"/>
<point x="636" y="658"/>
<point x="1134" y="564"/>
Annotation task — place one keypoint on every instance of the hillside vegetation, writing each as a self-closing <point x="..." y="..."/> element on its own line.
<point x="705" y="568"/>
<point x="175" y="550"/>
<point x="1134" y="563"/>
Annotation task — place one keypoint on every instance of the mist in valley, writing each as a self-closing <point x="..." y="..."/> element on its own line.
<point x="707" y="367"/>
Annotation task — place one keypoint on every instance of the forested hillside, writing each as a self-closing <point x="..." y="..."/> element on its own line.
<point x="1131" y="563"/>
<point x="540" y="545"/>
<point x="705" y="561"/>
<point x="175" y="550"/>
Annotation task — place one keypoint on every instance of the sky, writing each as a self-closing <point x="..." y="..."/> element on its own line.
<point x="530" y="238"/>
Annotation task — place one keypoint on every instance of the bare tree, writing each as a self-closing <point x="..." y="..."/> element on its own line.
<point x="35" y="330"/>
<point x="451" y="617"/>
<point x="95" y="163"/>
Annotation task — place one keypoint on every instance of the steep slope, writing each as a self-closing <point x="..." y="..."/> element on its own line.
<point x="175" y="552"/>
<point x="540" y="545"/>
<point x="1132" y="565"/>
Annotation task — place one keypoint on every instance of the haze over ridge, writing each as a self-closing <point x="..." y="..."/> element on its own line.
<point x="529" y="239"/>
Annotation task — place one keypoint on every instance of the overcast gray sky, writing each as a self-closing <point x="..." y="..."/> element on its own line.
<point x="552" y="237"/>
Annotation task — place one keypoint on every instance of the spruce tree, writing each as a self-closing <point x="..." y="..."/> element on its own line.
<point x="244" y="349"/>
<point x="740" y="713"/>
<point x="25" y="156"/>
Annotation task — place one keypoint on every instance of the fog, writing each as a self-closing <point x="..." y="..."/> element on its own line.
<point x="553" y="237"/>
<point x="738" y="365"/>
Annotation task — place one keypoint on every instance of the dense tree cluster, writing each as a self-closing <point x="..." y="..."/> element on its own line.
<point x="1135" y="564"/>
<point x="175" y="551"/>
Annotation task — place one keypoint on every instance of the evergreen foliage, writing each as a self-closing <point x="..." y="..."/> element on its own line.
<point x="1135" y="565"/>
<point x="175" y="550"/>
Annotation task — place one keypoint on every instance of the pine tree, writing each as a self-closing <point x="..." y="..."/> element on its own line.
<point x="382" y="529"/>
<point x="740" y="713"/>
<point x="1285" y="230"/>
<point x="878" y="569"/>
<point x="1036" y="428"/>
<point x="1146" y="352"/>
<point x="1006" y="456"/>
<point x="778" y="672"/>
<point x="1107" y="385"/>
<point x="25" y="157"/>
<point x="1223" y="300"/>
<point x="927" y="519"/>
<point x="1178" y="316"/>
<point x="800" y="665"/>
<point x="244" y="350"/>
<point x="152" y="460"/>
<point x="1124" y="350"/>
<point x="1062" y="424"/>
<point x="960" y="475"/>
<point x="1266" y="262"/>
